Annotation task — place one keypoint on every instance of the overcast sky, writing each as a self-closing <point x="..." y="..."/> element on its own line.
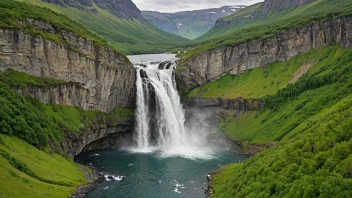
<point x="183" y="5"/>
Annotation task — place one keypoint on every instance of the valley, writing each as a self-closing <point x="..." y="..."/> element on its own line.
<point x="234" y="101"/>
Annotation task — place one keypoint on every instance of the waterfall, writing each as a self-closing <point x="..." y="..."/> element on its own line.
<point x="160" y="116"/>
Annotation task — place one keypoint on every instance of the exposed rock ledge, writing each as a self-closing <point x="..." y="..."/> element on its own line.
<point x="108" y="78"/>
<point x="112" y="135"/>
<point x="238" y="104"/>
<point x="212" y="65"/>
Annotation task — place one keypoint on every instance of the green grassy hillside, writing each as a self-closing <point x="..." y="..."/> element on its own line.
<point x="12" y="12"/>
<point x="26" y="171"/>
<point x="259" y="82"/>
<point x="311" y="120"/>
<point x="243" y="26"/>
<point x="127" y="36"/>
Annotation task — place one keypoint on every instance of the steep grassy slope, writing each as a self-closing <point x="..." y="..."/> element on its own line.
<point x="128" y="36"/>
<point x="11" y="13"/>
<point x="28" y="172"/>
<point x="259" y="82"/>
<point x="312" y="121"/>
<point x="245" y="26"/>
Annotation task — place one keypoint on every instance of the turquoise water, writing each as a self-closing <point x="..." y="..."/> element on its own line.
<point x="148" y="175"/>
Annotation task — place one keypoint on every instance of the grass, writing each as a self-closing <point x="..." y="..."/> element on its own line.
<point x="312" y="122"/>
<point x="22" y="80"/>
<point x="267" y="80"/>
<point x="271" y="124"/>
<point x="127" y="36"/>
<point x="52" y="168"/>
<point x="252" y="28"/>
<point x="11" y="12"/>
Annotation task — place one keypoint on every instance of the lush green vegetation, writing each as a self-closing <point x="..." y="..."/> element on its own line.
<point x="127" y="36"/>
<point x="22" y="80"/>
<point x="259" y="27"/>
<point x="37" y="123"/>
<point x="11" y="13"/>
<point x="307" y="97"/>
<point x="28" y="172"/>
<point x="312" y="121"/>
<point x="313" y="160"/>
<point x="267" y="80"/>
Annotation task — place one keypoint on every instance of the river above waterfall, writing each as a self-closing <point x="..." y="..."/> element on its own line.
<point x="148" y="175"/>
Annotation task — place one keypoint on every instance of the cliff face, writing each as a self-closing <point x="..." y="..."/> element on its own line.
<point x="211" y="65"/>
<point x="239" y="104"/>
<point x="101" y="78"/>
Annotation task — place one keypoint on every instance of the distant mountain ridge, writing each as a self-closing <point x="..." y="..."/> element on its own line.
<point x="259" y="11"/>
<point x="190" y="24"/>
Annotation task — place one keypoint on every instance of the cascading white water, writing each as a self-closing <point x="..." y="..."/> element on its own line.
<point x="160" y="117"/>
<point x="168" y="110"/>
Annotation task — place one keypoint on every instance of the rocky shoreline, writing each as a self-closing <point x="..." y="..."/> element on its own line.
<point x="95" y="177"/>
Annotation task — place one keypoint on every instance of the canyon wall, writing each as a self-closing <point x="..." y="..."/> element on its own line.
<point x="100" y="78"/>
<point x="239" y="104"/>
<point x="212" y="65"/>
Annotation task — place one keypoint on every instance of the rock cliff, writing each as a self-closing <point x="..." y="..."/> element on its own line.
<point x="239" y="104"/>
<point x="101" y="79"/>
<point x="110" y="135"/>
<point x="211" y="65"/>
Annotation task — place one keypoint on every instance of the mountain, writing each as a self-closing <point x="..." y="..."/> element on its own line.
<point x="119" y="22"/>
<point x="189" y="24"/>
<point x="261" y="21"/>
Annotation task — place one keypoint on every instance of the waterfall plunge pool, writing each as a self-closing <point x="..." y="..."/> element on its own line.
<point x="172" y="155"/>
<point x="150" y="175"/>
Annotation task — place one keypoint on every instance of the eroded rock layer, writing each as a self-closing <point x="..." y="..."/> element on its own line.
<point x="212" y="65"/>
<point x="103" y="78"/>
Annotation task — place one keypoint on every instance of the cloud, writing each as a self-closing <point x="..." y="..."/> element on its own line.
<point x="182" y="5"/>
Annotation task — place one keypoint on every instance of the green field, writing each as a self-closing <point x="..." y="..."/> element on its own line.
<point x="234" y="31"/>
<point x="126" y="36"/>
<point x="26" y="171"/>
<point x="311" y="120"/>
<point x="258" y="82"/>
